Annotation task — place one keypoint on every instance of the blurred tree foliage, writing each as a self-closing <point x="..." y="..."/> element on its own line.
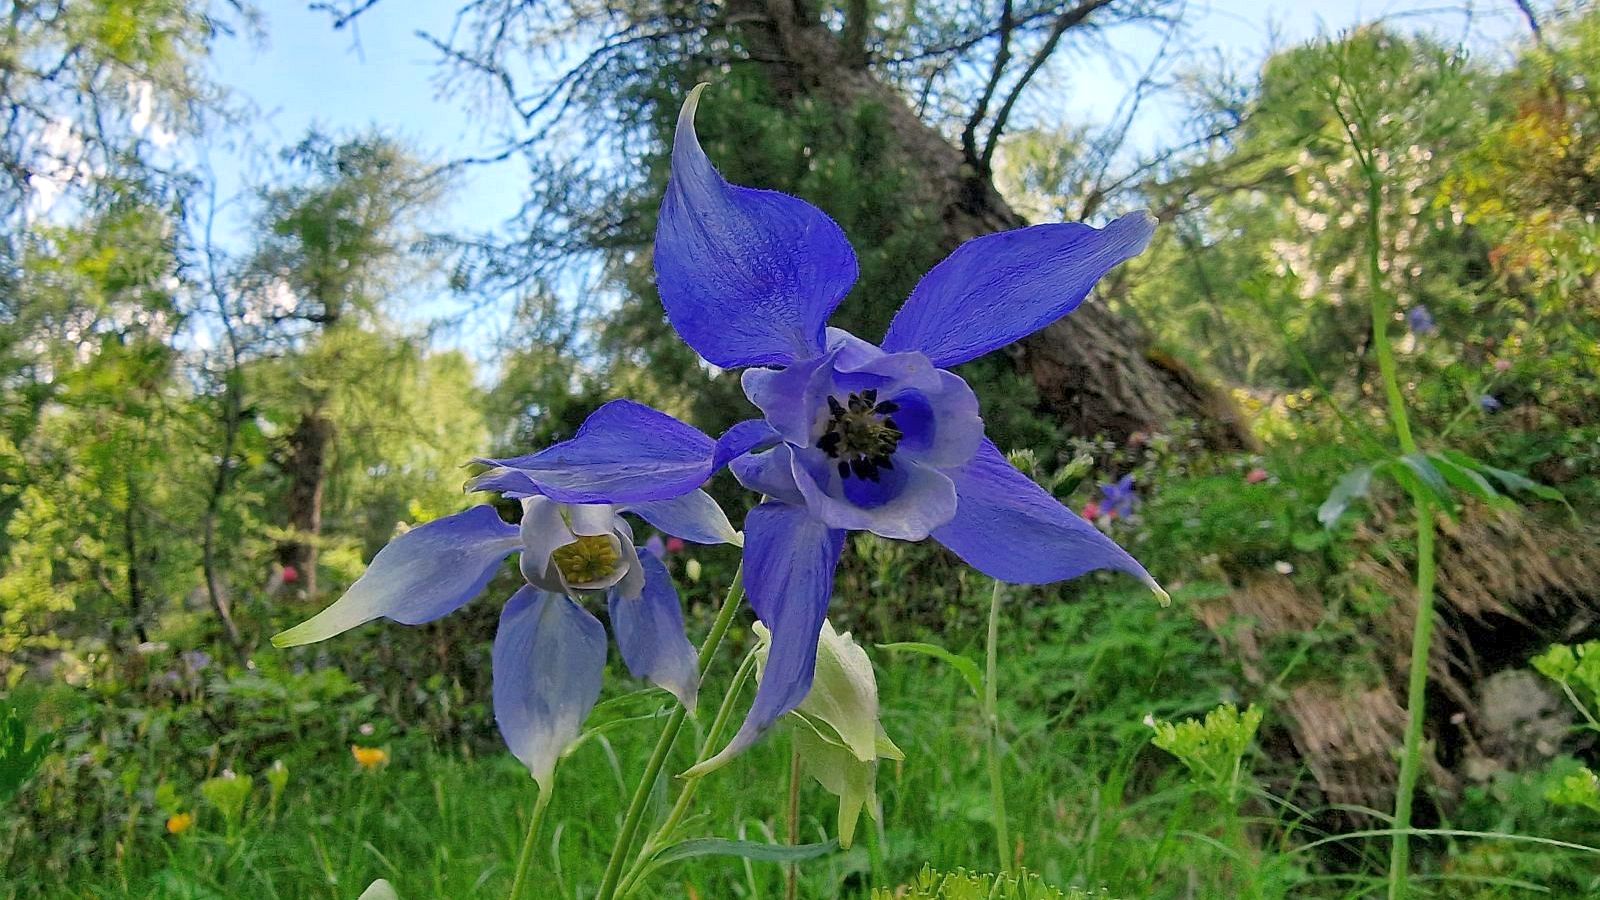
<point x="190" y="428"/>
<point x="93" y="422"/>
<point x="157" y="394"/>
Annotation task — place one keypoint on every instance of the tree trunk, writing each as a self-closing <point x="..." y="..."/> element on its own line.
<point x="134" y="553"/>
<point x="220" y="483"/>
<point x="307" y="469"/>
<point x="1094" y="369"/>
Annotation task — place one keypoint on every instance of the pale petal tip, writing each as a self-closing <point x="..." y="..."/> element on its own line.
<point x="336" y="619"/>
<point x="1161" y="594"/>
<point x="319" y="627"/>
<point x="707" y="766"/>
<point x="691" y="102"/>
<point x="292" y="637"/>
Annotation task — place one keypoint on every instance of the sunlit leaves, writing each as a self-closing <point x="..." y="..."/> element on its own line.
<point x="20" y="756"/>
<point x="1581" y="788"/>
<point x="964" y="885"/>
<point x="1213" y="749"/>
<point x="1577" y="669"/>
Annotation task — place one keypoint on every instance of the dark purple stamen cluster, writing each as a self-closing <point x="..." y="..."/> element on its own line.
<point x="860" y="435"/>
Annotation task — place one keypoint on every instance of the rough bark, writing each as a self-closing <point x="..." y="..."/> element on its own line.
<point x="1094" y="369"/>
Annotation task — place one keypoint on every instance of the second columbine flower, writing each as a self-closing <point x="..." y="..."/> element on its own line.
<point x="549" y="651"/>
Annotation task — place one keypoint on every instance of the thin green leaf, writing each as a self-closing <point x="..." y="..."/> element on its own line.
<point x="1430" y="476"/>
<point x="1420" y="478"/>
<point x="1511" y="481"/>
<point x="751" y="850"/>
<point x="1351" y="487"/>
<point x="968" y="669"/>
<point x="1466" y="480"/>
<point x="594" y="731"/>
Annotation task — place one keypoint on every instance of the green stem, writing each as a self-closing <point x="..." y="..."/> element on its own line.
<point x="525" y="858"/>
<point x="791" y="884"/>
<point x="991" y="716"/>
<point x="1381" y="310"/>
<point x="680" y="807"/>
<point x="1416" y="699"/>
<point x="1573" y="698"/>
<point x="1422" y="628"/>
<point x="669" y="734"/>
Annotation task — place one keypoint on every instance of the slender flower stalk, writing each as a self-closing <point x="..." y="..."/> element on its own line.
<point x="1422" y="628"/>
<point x="669" y="735"/>
<point x="1416" y="697"/>
<point x="691" y="786"/>
<point x="991" y="721"/>
<point x="791" y="883"/>
<point x="525" y="858"/>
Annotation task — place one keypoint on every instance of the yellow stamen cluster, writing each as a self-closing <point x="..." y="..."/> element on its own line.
<point x="369" y="758"/>
<point x="589" y="558"/>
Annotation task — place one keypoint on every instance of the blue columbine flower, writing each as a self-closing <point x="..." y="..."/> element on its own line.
<point x="549" y="652"/>
<point x="1118" y="499"/>
<point x="863" y="437"/>
<point x="1420" y="320"/>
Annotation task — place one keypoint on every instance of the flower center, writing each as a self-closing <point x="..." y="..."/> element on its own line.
<point x="589" y="558"/>
<point x="860" y="435"/>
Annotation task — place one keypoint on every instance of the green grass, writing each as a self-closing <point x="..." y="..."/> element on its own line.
<point x="1093" y="805"/>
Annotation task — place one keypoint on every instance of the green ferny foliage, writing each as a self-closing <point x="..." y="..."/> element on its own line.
<point x="1577" y="670"/>
<point x="228" y="793"/>
<point x="1580" y="789"/>
<point x="1212" y="749"/>
<point x="964" y="885"/>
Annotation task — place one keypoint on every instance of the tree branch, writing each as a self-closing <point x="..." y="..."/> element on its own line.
<point x="857" y="28"/>
<point x="1069" y="19"/>
<point x="1002" y="56"/>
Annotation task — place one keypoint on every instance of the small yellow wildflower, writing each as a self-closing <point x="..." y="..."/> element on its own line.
<point x="369" y="758"/>
<point x="178" y="823"/>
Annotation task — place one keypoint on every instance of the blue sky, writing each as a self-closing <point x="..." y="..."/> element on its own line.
<point x="374" y="73"/>
<point x="380" y="73"/>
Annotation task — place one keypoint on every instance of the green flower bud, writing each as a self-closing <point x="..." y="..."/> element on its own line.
<point x="838" y="735"/>
<point x="379" y="890"/>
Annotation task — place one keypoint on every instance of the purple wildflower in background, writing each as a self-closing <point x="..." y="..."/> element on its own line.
<point x="1119" y="498"/>
<point x="857" y="436"/>
<point x="549" y="652"/>
<point x="1489" y="403"/>
<point x="1420" y="320"/>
